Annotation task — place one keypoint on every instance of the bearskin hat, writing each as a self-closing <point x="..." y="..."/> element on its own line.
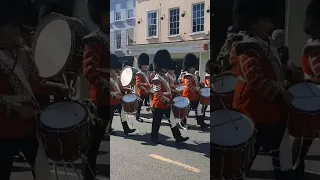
<point x="246" y="12"/>
<point x="143" y="59"/>
<point x="62" y="7"/>
<point x="95" y="8"/>
<point x="173" y="65"/>
<point x="18" y="12"/>
<point x="150" y="67"/>
<point x="114" y="62"/>
<point x="208" y="66"/>
<point x="190" y="60"/>
<point x="312" y="21"/>
<point x="162" y="60"/>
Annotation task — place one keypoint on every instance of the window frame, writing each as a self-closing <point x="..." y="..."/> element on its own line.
<point x="157" y="23"/>
<point x="176" y="21"/>
<point x="203" y="2"/>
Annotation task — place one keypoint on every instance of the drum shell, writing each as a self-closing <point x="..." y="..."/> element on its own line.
<point x="130" y="107"/>
<point x="74" y="141"/>
<point x="180" y="113"/>
<point x="204" y="100"/>
<point x="73" y="65"/>
<point x="303" y="124"/>
<point x="231" y="162"/>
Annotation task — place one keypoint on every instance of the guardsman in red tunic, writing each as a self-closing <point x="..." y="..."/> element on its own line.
<point x="151" y="76"/>
<point x="172" y="78"/>
<point x="207" y="76"/>
<point x="142" y="83"/>
<point x="260" y="92"/>
<point x="192" y="88"/>
<point x="162" y="97"/>
<point x="310" y="62"/>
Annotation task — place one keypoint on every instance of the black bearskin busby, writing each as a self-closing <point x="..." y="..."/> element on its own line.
<point x="95" y="8"/>
<point x="190" y="60"/>
<point x="18" y="12"/>
<point x="114" y="62"/>
<point x="64" y="7"/>
<point x="151" y="67"/>
<point x="173" y="65"/>
<point x="162" y="60"/>
<point x="246" y="12"/>
<point x="209" y="65"/>
<point x="143" y="59"/>
<point x="312" y="21"/>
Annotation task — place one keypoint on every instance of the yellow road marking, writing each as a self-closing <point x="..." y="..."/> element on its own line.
<point x="190" y="168"/>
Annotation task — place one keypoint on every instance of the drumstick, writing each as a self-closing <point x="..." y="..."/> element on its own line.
<point x="228" y="114"/>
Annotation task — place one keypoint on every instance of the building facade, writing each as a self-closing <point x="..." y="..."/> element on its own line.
<point x="122" y="22"/>
<point x="179" y="26"/>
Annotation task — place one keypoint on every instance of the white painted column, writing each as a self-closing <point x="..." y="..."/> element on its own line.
<point x="295" y="37"/>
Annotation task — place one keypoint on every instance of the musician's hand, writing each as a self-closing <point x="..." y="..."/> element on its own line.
<point x="118" y="96"/>
<point x="27" y="112"/>
<point x="287" y="97"/>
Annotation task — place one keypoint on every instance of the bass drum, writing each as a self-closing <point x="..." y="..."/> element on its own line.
<point x="58" y="47"/>
<point x="128" y="76"/>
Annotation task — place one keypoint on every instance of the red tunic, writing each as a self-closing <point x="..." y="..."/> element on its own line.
<point x="171" y="82"/>
<point x="258" y="92"/>
<point x="96" y="56"/>
<point x="142" y="83"/>
<point x="162" y="92"/>
<point x="191" y="87"/>
<point x="310" y="59"/>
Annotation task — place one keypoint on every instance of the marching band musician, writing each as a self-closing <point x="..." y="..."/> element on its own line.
<point x="172" y="78"/>
<point x="207" y="76"/>
<point x="151" y="76"/>
<point x="142" y="83"/>
<point x="310" y="62"/>
<point x="192" y="88"/>
<point x="260" y="74"/>
<point x="95" y="69"/>
<point x="162" y="97"/>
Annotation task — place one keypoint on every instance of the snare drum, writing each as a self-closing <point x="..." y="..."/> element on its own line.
<point x="179" y="89"/>
<point x="128" y="76"/>
<point x="65" y="131"/>
<point x="129" y="103"/>
<point x="205" y="96"/>
<point x="231" y="149"/>
<point x="224" y="86"/>
<point x="58" y="47"/>
<point x="180" y="107"/>
<point x="304" y="116"/>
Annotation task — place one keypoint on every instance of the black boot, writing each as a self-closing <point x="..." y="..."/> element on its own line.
<point x="177" y="135"/>
<point x="126" y="128"/>
<point x="155" y="133"/>
<point x="200" y="121"/>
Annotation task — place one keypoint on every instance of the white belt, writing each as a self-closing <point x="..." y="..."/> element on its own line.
<point x="167" y="93"/>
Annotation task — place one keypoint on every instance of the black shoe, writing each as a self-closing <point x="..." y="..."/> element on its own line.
<point x="204" y="126"/>
<point x="155" y="141"/>
<point x="111" y="132"/>
<point x="139" y="120"/>
<point x="129" y="132"/>
<point x="182" y="139"/>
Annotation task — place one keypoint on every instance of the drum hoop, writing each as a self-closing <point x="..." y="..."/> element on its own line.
<point x="47" y="20"/>
<point x="67" y="129"/>
<point x="300" y="110"/>
<point x="181" y="107"/>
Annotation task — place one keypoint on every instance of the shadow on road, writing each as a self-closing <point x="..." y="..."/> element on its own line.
<point x="269" y="175"/>
<point x="313" y="157"/>
<point x="200" y="147"/>
<point x="21" y="169"/>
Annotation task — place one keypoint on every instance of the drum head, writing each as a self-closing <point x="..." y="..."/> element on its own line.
<point x="129" y="98"/>
<point x="180" y="88"/>
<point x="205" y="92"/>
<point x="63" y="115"/>
<point x="181" y="102"/>
<point x="52" y="47"/>
<point x="224" y="133"/>
<point x="225" y="83"/>
<point x="306" y="96"/>
<point x="126" y="76"/>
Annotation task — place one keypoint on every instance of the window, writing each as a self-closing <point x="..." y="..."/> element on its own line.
<point x="198" y="17"/>
<point x="117" y="37"/>
<point x="129" y="34"/>
<point x="129" y="7"/>
<point x="174" y="21"/>
<point x="152" y="23"/>
<point x="117" y="12"/>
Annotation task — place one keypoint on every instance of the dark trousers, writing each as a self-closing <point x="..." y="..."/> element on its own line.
<point x="156" y="123"/>
<point x="269" y="138"/>
<point x="140" y="103"/>
<point x="10" y="148"/>
<point x="97" y="133"/>
<point x="200" y="117"/>
<point x="124" y="124"/>
<point x="299" y="150"/>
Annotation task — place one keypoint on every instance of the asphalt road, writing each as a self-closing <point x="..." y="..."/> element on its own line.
<point x="135" y="158"/>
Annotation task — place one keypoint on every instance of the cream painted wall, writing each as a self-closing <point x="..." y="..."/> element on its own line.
<point x="163" y="6"/>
